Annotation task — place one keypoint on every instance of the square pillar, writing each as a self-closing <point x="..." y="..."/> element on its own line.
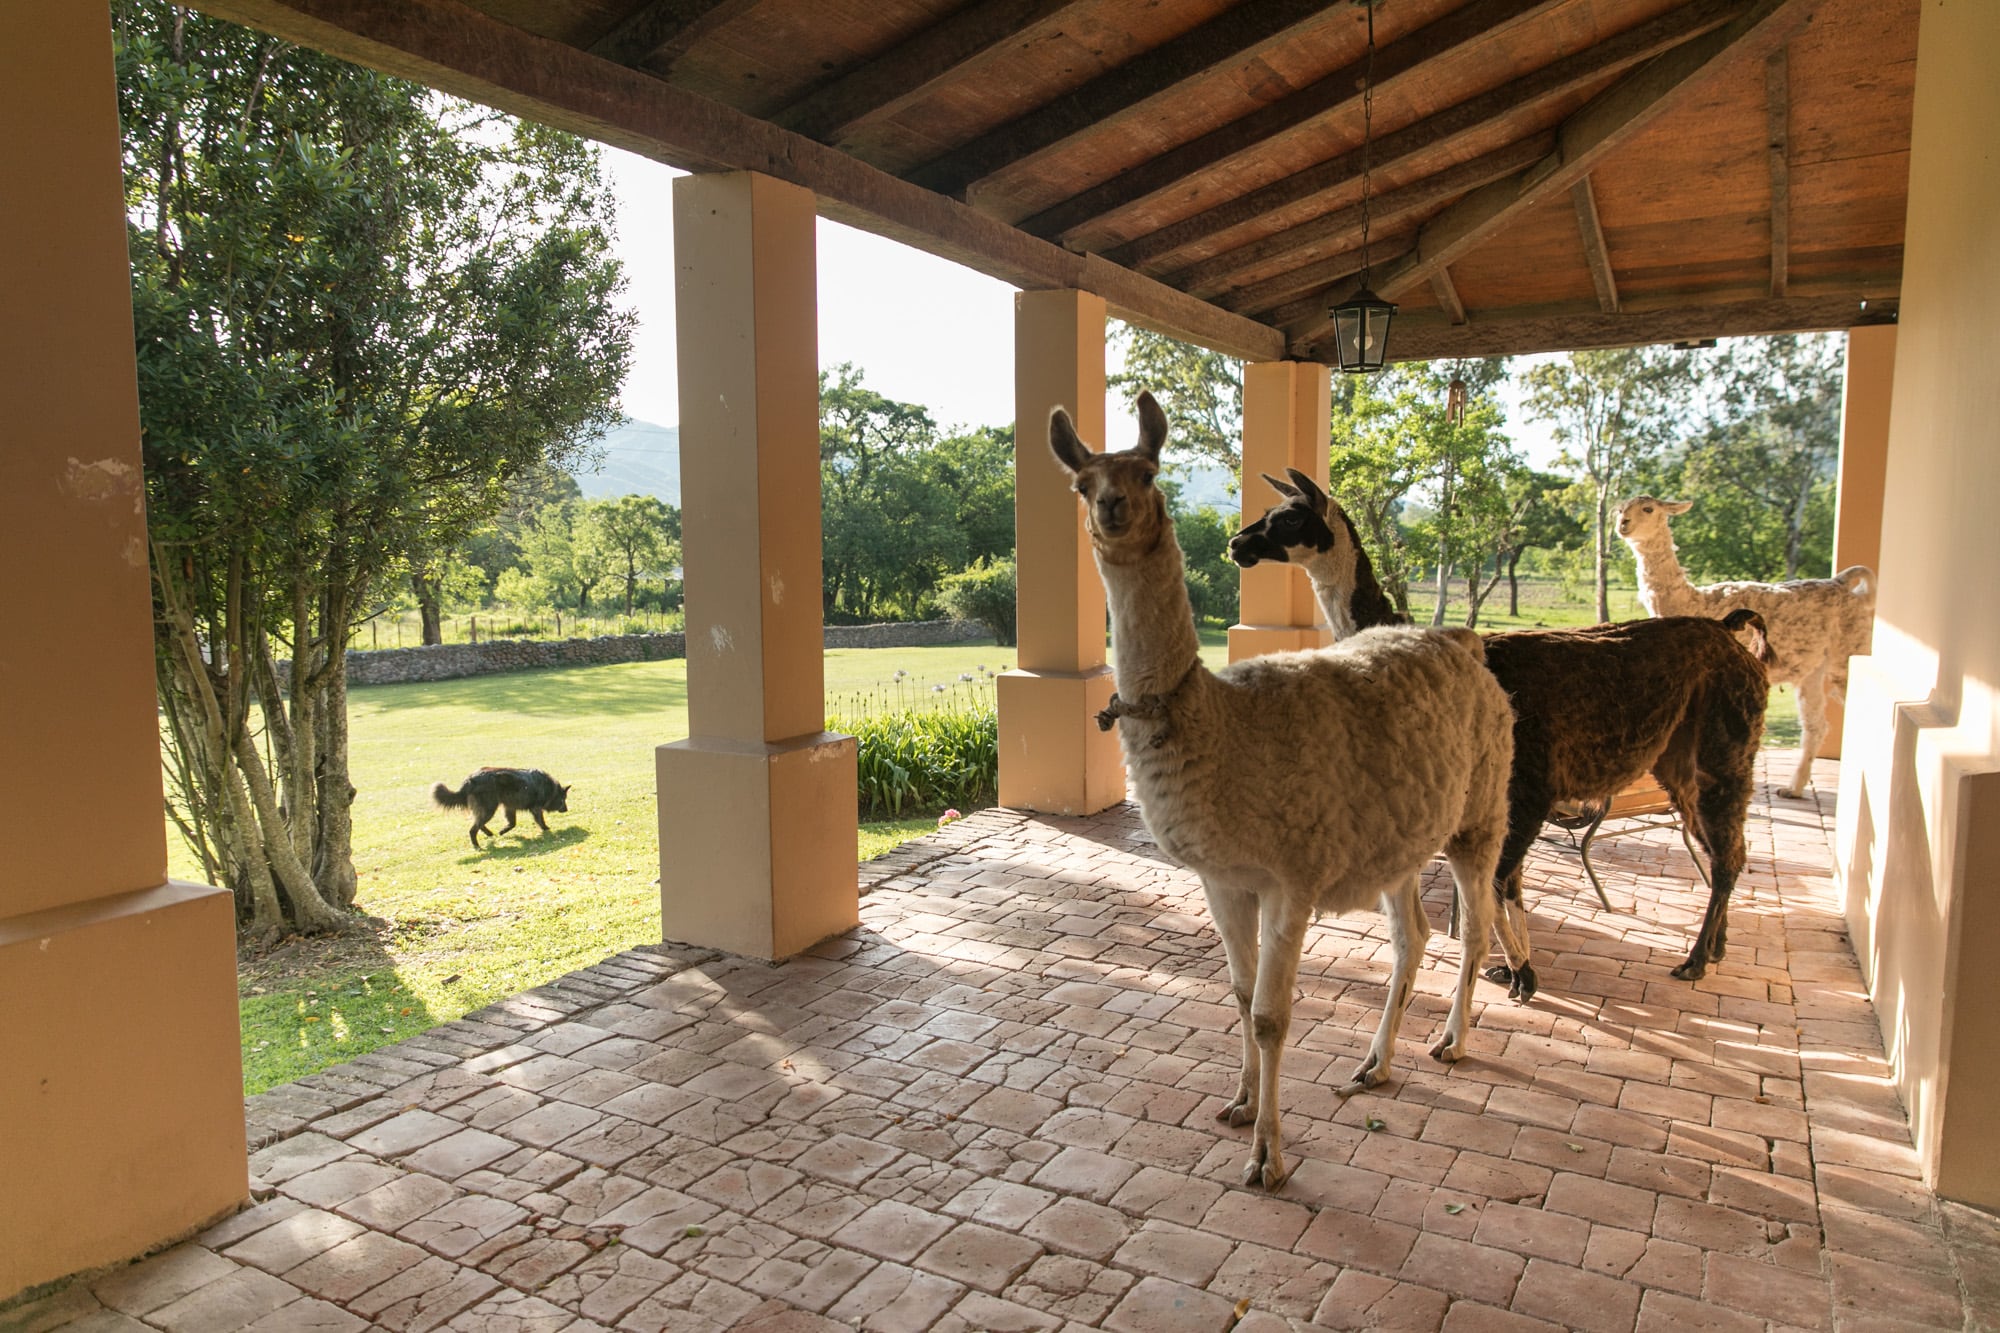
<point x="121" y="1077"/>
<point x="1052" y="756"/>
<point x="1864" y="467"/>
<point x="1287" y="415"/>
<point x="758" y="805"/>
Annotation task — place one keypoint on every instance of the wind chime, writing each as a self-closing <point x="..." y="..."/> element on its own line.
<point x="1454" y="402"/>
<point x="1361" y="322"/>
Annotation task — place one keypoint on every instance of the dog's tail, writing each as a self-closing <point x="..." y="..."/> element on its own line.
<point x="1741" y="620"/>
<point x="449" y="799"/>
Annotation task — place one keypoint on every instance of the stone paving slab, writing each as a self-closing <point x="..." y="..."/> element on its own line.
<point x="992" y="1107"/>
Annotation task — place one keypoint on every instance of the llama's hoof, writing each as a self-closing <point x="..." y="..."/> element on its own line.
<point x="1373" y="1073"/>
<point x="1796" y="793"/>
<point x="1239" y="1112"/>
<point x="1525" y="985"/>
<point x="1449" y="1051"/>
<point x="1500" y="975"/>
<point x="1266" y="1167"/>
<point x="1694" y="969"/>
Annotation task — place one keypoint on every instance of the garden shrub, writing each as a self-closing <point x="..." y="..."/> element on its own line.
<point x="983" y="593"/>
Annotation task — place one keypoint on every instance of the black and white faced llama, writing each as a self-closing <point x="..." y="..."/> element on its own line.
<point x="1297" y="783"/>
<point x="1594" y="709"/>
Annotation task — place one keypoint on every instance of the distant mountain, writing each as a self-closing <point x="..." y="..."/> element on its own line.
<point x="639" y="458"/>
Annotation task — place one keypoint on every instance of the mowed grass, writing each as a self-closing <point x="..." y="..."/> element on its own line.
<point x="458" y="929"/>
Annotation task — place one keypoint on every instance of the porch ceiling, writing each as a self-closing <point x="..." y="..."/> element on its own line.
<point x="1547" y="173"/>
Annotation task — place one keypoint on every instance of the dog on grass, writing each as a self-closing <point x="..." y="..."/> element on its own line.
<point x="509" y="789"/>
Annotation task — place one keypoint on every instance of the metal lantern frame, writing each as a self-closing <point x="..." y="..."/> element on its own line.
<point x="1361" y="322"/>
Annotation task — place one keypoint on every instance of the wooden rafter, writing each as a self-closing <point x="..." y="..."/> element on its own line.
<point x="1308" y="241"/>
<point x="1584" y="195"/>
<point x="1425" y="336"/>
<point x="1628" y="48"/>
<point x="1608" y="120"/>
<point x="1446" y="292"/>
<point x="1229" y="37"/>
<point x="1315" y="305"/>
<point x="1476" y="22"/>
<point x="1778" y="111"/>
<point x="894" y="79"/>
<point x="1257" y="299"/>
<point x="659" y="31"/>
<point x="463" y="52"/>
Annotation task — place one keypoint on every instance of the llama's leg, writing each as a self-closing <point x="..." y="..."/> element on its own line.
<point x="1812" y="725"/>
<point x="1403" y="908"/>
<point x="1286" y="914"/>
<point x="1526" y="809"/>
<point x="1472" y="873"/>
<point x="1724" y="801"/>
<point x="1235" y="914"/>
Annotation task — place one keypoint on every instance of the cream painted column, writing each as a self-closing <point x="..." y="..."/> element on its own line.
<point x="1287" y="415"/>
<point x="1864" y="467"/>
<point x="121" y="1081"/>
<point x="1052" y="756"/>
<point x="757" y="806"/>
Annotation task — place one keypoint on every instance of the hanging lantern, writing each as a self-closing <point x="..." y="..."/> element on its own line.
<point x="1454" y="402"/>
<point x="1361" y="332"/>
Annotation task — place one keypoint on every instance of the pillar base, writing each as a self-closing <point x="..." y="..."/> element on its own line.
<point x="758" y="843"/>
<point x="1052" y="756"/>
<point x="1256" y="640"/>
<point x="121" y="1079"/>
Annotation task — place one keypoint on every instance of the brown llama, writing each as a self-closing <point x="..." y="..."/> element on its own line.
<point x="1594" y="709"/>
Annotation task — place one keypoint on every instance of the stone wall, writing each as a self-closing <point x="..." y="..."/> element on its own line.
<point x="453" y="661"/>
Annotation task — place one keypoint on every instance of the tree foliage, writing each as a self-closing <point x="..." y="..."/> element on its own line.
<point x="1200" y="391"/>
<point x="361" y="310"/>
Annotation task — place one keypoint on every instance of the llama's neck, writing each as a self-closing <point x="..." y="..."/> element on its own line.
<point x="1152" y="623"/>
<point x="1332" y="576"/>
<point x="1663" y="585"/>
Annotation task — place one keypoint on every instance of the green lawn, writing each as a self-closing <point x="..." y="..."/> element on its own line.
<point x="454" y="930"/>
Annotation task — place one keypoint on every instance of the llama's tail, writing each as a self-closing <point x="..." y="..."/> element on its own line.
<point x="449" y="799"/>
<point x="1742" y="620"/>
<point x="1860" y="580"/>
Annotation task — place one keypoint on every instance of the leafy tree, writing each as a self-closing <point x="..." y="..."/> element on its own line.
<point x="1213" y="581"/>
<point x="1612" y="412"/>
<point x="976" y="469"/>
<point x="640" y="533"/>
<point x="984" y="592"/>
<point x="361" y="311"/>
<point x="1537" y="519"/>
<point x="1200" y="391"/>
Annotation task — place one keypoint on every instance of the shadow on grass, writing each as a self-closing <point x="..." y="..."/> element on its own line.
<point x="607" y="691"/>
<point x="524" y="842"/>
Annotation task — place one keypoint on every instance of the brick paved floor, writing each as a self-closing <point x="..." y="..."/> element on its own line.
<point x="992" y="1107"/>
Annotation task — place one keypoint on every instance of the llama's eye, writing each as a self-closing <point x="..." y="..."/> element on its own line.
<point x="1145" y="479"/>
<point x="1649" y="509"/>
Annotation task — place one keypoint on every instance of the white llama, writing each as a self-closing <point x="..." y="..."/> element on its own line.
<point x="1297" y="783"/>
<point x="1815" y="625"/>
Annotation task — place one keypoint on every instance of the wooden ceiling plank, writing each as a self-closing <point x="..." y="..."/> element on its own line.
<point x="1601" y="125"/>
<point x="1214" y="274"/>
<point x="1479" y="21"/>
<point x="1446" y="292"/>
<point x="1229" y="37"/>
<point x="461" y="51"/>
<point x="661" y="31"/>
<point x="1584" y="195"/>
<point x="898" y="77"/>
<point x="1650" y="39"/>
<point x="1313" y="307"/>
<point x="1426" y="337"/>
<point x="1778" y="111"/>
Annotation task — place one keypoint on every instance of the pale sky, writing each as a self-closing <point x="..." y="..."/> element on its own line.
<point x="922" y="329"/>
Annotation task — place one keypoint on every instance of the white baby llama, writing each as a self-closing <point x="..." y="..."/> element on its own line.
<point x="1297" y="783"/>
<point x="1814" y="624"/>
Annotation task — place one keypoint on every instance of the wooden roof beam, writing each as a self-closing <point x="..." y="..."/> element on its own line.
<point x="1628" y="48"/>
<point x="1584" y="196"/>
<point x="1424" y="336"/>
<point x="1778" y="112"/>
<point x="1608" y="120"/>
<point x="1314" y="306"/>
<point x="891" y="81"/>
<point x="1446" y="292"/>
<point x="1229" y="37"/>
<point x="660" y="32"/>
<point x="1476" y="22"/>
<point x="1217" y="273"/>
<point x="1259" y="298"/>
<point x="461" y="51"/>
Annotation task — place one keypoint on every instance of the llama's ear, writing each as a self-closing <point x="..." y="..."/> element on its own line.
<point x="1070" y="451"/>
<point x="1152" y="426"/>
<point x="1676" y="506"/>
<point x="1284" y="488"/>
<point x="1308" y="488"/>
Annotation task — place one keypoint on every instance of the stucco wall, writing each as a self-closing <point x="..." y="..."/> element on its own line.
<point x="1920" y="785"/>
<point x="454" y="661"/>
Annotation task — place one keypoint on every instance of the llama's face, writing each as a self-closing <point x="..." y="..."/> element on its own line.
<point x="1643" y="516"/>
<point x="1290" y="531"/>
<point x="1123" y="509"/>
